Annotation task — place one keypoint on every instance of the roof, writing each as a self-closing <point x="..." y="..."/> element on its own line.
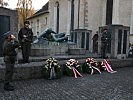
<point x="8" y="9"/>
<point x="42" y="11"/>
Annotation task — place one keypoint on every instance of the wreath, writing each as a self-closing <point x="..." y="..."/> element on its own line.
<point x="105" y="65"/>
<point x="72" y="68"/>
<point x="91" y="66"/>
<point x="51" y="69"/>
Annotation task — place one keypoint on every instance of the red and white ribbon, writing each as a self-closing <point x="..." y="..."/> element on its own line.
<point x="70" y="64"/>
<point x="108" y="67"/>
<point x="76" y="72"/>
<point x="94" y="68"/>
<point x="92" y="64"/>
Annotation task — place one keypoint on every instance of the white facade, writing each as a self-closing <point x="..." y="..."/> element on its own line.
<point x="40" y="23"/>
<point x="88" y="14"/>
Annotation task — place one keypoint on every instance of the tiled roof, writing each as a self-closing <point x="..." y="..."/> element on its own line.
<point x="41" y="11"/>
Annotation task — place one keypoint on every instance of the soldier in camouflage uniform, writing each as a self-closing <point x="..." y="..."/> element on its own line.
<point x="104" y="43"/>
<point x="9" y="54"/>
<point x="25" y="37"/>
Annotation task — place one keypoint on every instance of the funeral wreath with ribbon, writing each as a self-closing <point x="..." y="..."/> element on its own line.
<point x="72" y="68"/>
<point x="52" y="69"/>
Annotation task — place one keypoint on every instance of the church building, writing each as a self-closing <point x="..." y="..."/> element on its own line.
<point x="89" y="16"/>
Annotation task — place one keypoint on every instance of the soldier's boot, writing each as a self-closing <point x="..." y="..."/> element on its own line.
<point x="8" y="87"/>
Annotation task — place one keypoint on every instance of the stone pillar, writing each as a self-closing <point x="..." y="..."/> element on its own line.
<point x="104" y="12"/>
<point x="115" y="17"/>
<point x="86" y="14"/>
<point x="118" y="41"/>
<point x="55" y="17"/>
<point x="68" y="18"/>
<point x="131" y="26"/>
<point x="81" y="16"/>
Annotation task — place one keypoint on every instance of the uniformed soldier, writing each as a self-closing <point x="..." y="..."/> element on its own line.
<point x="104" y="43"/>
<point x="25" y="37"/>
<point x="9" y="54"/>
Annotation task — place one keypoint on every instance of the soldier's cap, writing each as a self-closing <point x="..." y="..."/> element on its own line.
<point x="7" y="34"/>
<point x="104" y="29"/>
<point x="26" y="22"/>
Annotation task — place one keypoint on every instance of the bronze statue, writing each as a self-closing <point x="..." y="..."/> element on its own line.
<point x="50" y="35"/>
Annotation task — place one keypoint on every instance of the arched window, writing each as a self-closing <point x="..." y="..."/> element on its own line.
<point x="109" y="11"/>
<point x="56" y="12"/>
<point x="72" y="14"/>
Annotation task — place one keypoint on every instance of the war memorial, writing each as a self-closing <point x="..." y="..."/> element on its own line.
<point x="62" y="47"/>
<point x="55" y="56"/>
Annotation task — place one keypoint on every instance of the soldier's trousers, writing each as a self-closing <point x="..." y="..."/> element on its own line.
<point x="9" y="72"/>
<point x="103" y="50"/>
<point x="26" y="51"/>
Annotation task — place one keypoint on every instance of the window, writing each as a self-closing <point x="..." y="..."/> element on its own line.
<point x="31" y="24"/>
<point x="37" y="24"/>
<point x="109" y="10"/>
<point x="45" y="21"/>
<point x="119" y="41"/>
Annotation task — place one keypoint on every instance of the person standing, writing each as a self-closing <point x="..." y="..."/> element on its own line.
<point x="104" y="43"/>
<point x="9" y="53"/>
<point x="25" y="37"/>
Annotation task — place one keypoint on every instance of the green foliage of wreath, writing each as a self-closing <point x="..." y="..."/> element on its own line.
<point x="46" y="72"/>
<point x="86" y="68"/>
<point x="69" y="72"/>
<point x="58" y="71"/>
<point x="46" y="69"/>
<point x="100" y="66"/>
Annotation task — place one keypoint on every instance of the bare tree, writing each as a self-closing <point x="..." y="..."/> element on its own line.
<point x="3" y="3"/>
<point x="25" y="9"/>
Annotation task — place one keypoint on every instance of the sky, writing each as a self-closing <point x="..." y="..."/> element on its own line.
<point x="37" y="4"/>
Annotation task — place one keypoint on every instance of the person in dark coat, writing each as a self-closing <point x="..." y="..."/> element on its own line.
<point x="104" y="43"/>
<point x="9" y="53"/>
<point x="25" y="37"/>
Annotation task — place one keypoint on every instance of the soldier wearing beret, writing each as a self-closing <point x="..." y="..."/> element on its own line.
<point x="9" y="53"/>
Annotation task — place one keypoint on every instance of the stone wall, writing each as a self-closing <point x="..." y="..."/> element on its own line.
<point x="125" y="10"/>
<point x="118" y="43"/>
<point x="49" y="48"/>
<point x="13" y="18"/>
<point x="62" y="14"/>
<point x="43" y="24"/>
<point x="9" y="22"/>
<point x="91" y="12"/>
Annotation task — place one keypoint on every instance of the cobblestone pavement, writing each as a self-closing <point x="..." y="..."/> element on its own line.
<point x="117" y="86"/>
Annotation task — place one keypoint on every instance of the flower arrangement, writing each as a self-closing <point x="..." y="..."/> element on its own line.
<point x="106" y="66"/>
<point x="52" y="69"/>
<point x="91" y="66"/>
<point x="72" y="68"/>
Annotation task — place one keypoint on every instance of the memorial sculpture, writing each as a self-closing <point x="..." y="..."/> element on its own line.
<point x="51" y="43"/>
<point x="50" y="35"/>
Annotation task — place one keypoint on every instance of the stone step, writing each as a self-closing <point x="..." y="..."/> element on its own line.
<point x="58" y="57"/>
<point x="63" y="57"/>
<point x="34" y="69"/>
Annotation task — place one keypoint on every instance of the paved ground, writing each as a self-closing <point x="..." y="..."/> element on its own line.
<point x="118" y="86"/>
